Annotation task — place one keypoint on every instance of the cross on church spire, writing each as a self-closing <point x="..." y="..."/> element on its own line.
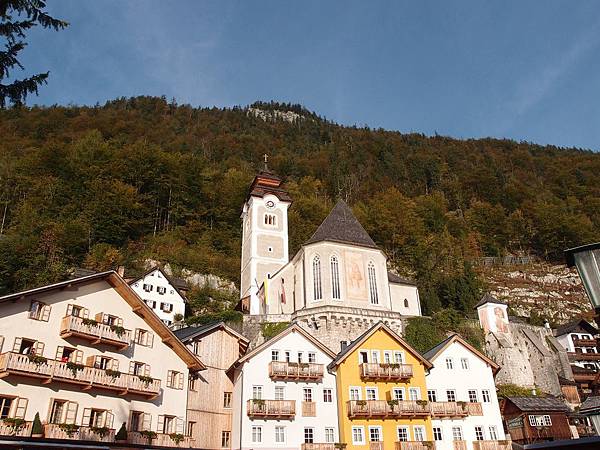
<point x="266" y="160"/>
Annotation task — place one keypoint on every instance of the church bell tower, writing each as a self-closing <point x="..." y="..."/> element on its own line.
<point x="264" y="236"/>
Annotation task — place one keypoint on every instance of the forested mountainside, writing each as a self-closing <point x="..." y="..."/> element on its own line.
<point x="144" y="178"/>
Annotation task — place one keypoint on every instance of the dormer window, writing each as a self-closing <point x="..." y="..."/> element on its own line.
<point x="271" y="220"/>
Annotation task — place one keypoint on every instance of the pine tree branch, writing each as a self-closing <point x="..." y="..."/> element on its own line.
<point x="17" y="91"/>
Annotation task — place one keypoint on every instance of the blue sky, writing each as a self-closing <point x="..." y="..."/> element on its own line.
<point x="526" y="70"/>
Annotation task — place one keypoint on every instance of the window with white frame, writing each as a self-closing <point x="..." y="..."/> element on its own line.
<point x="473" y="396"/>
<point x="373" y="295"/>
<point x="227" y="397"/>
<point x="327" y="395"/>
<point x="307" y="394"/>
<point x="493" y="433"/>
<point x="449" y="363"/>
<point x="300" y="355"/>
<point x="464" y="363"/>
<point x="398" y="393"/>
<point x="279" y="392"/>
<point x="329" y="435"/>
<point x="457" y="434"/>
<point x="399" y="357"/>
<point x="387" y="357"/>
<point x="485" y="396"/>
<point x="371" y="393"/>
<point x="419" y="432"/>
<point x="312" y="357"/>
<point x="274" y="355"/>
<point x="309" y="435"/>
<point x="437" y="434"/>
<point x="432" y="395"/>
<point x="148" y="287"/>
<point x="402" y="432"/>
<point x="257" y="392"/>
<point x="225" y="439"/>
<point x="358" y="435"/>
<point x="354" y="393"/>
<point x="161" y="290"/>
<point x="451" y="395"/>
<point x="414" y="393"/>
<point x="317" y="287"/>
<point x="375" y="434"/>
<point x="256" y="434"/>
<point x="479" y="436"/>
<point x="540" y="421"/>
<point x="335" y="278"/>
<point x="375" y="356"/>
<point x="279" y="434"/>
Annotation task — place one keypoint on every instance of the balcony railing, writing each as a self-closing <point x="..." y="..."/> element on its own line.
<point x="309" y="409"/>
<point x="474" y="409"/>
<point x="272" y="409"/>
<point x="448" y="409"/>
<point x="584" y="356"/>
<point x="459" y="445"/>
<point x="386" y="409"/>
<point x="53" y="431"/>
<point x="317" y="447"/>
<point x="415" y="445"/>
<point x="8" y="430"/>
<point x="492" y="445"/>
<point x="579" y="342"/>
<point x="376" y="445"/>
<point x="281" y="370"/>
<point x="87" y="377"/>
<point x="161" y="439"/>
<point x="96" y="332"/>
<point x="381" y="371"/>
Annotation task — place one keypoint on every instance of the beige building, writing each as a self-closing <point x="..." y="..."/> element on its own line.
<point x="88" y="355"/>
<point x="210" y="394"/>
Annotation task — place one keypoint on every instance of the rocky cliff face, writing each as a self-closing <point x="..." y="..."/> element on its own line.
<point x="553" y="292"/>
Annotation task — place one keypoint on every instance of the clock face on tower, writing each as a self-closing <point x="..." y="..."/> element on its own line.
<point x="270" y="204"/>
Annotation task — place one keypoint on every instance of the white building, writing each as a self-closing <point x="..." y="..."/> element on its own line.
<point x="157" y="289"/>
<point x="466" y="407"/>
<point x="283" y="394"/>
<point x="88" y="354"/>
<point x="579" y="340"/>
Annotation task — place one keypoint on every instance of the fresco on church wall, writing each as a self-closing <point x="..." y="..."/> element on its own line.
<point x="356" y="283"/>
<point x="494" y="319"/>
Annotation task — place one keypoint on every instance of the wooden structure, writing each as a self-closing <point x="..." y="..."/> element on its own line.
<point x="386" y="372"/>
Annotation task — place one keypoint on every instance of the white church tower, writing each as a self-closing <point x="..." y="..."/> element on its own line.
<point x="264" y="236"/>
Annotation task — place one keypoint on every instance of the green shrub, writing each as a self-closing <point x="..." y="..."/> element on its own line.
<point x="122" y="433"/>
<point x="272" y="329"/>
<point x="37" y="428"/>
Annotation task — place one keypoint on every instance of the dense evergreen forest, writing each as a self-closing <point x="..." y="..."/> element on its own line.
<point x="144" y="178"/>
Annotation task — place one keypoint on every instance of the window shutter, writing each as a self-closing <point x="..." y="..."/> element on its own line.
<point x="69" y="310"/>
<point x="39" y="348"/>
<point x="17" y="345"/>
<point x="110" y="417"/>
<point x="98" y="317"/>
<point x="78" y="356"/>
<point x="147" y="422"/>
<point x="20" y="408"/>
<point x="59" y="352"/>
<point x="90" y="361"/>
<point x="85" y="421"/>
<point x="150" y="339"/>
<point x="114" y="364"/>
<point x="45" y="313"/>
<point x="170" y="378"/>
<point x="147" y="370"/>
<point x="136" y="336"/>
<point x="85" y="313"/>
<point x="161" y="424"/>
<point x="180" y="381"/>
<point x="179" y="425"/>
<point x="71" y="412"/>
<point x="119" y="322"/>
<point x="132" y="367"/>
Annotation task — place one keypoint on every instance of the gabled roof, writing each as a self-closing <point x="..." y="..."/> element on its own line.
<point x="130" y="296"/>
<point x="189" y="333"/>
<point x="293" y="328"/>
<point x="591" y="404"/>
<point x="574" y="325"/>
<point x="366" y="335"/>
<point x="393" y="278"/>
<point x="488" y="298"/>
<point x="342" y="226"/>
<point x="266" y="182"/>
<point x="167" y="277"/>
<point x="538" y="404"/>
<point x="434" y="352"/>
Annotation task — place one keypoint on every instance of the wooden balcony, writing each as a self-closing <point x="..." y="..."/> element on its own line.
<point x="309" y="409"/>
<point x="281" y="370"/>
<point x="368" y="409"/>
<point x="492" y="445"/>
<point x="161" y="439"/>
<point x="578" y="342"/>
<point x="271" y="409"/>
<point x="376" y="445"/>
<point x="317" y="447"/>
<point x="86" y="377"/>
<point x="584" y="356"/>
<point x="474" y="409"/>
<point x="448" y="410"/>
<point x="53" y="431"/>
<point x="415" y="445"/>
<point x="95" y="332"/>
<point x="22" y="431"/>
<point x="459" y="445"/>
<point x="385" y="372"/>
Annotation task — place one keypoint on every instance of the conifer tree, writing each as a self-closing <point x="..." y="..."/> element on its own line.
<point x="16" y="18"/>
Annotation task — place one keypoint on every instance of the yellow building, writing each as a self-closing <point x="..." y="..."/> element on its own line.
<point x="382" y="393"/>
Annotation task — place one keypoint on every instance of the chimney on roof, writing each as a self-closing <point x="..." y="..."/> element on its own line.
<point x="121" y="271"/>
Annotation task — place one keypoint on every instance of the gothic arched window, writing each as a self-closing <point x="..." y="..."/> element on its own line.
<point x="373" y="296"/>
<point x="335" y="278"/>
<point x="270" y="219"/>
<point x="317" y="289"/>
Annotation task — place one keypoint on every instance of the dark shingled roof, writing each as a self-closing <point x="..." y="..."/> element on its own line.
<point x="188" y="333"/>
<point x="434" y="351"/>
<point x="590" y="404"/>
<point x="393" y="278"/>
<point x="540" y="404"/>
<point x="489" y="298"/>
<point x="572" y="326"/>
<point x="342" y="226"/>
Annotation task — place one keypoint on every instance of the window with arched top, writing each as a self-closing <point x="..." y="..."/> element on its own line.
<point x="335" y="278"/>
<point x="317" y="288"/>
<point x="406" y="303"/>
<point x="271" y="220"/>
<point x="373" y="296"/>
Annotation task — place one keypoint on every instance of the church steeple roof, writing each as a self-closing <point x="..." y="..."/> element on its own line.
<point x="341" y="225"/>
<point x="266" y="182"/>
